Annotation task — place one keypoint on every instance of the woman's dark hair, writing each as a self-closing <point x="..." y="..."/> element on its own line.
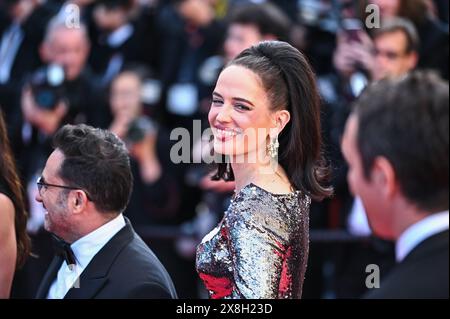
<point x="96" y="161"/>
<point x="290" y="84"/>
<point x="9" y="175"/>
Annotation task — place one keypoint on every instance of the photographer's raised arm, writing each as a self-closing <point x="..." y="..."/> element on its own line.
<point x="352" y="55"/>
<point x="46" y="121"/>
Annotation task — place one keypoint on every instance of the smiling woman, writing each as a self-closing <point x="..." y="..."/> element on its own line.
<point x="264" y="101"/>
<point x="14" y="241"/>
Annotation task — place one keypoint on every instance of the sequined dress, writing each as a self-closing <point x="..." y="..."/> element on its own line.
<point x="259" y="249"/>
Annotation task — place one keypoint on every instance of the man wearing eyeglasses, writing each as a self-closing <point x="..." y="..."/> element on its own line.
<point x="392" y="52"/>
<point x="396" y="47"/>
<point x="84" y="188"/>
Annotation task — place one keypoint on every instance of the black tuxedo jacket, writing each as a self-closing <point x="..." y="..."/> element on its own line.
<point x="422" y="274"/>
<point x="124" y="268"/>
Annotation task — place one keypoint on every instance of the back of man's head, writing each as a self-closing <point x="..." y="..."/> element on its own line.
<point x="97" y="161"/>
<point x="407" y="122"/>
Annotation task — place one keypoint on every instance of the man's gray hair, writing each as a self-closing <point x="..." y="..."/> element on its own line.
<point x="60" y="21"/>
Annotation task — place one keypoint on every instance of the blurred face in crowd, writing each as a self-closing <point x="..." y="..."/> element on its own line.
<point x="392" y="58"/>
<point x="239" y="109"/>
<point x="241" y="37"/>
<point x="388" y="8"/>
<point x="55" y="199"/>
<point x="371" y="190"/>
<point x="125" y="99"/>
<point x="109" y="19"/>
<point x="197" y="12"/>
<point x="68" y="47"/>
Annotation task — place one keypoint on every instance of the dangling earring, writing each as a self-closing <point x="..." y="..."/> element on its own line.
<point x="272" y="148"/>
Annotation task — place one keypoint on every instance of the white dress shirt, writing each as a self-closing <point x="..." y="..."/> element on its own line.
<point x="357" y="222"/>
<point x="418" y="232"/>
<point x="119" y="36"/>
<point x="84" y="250"/>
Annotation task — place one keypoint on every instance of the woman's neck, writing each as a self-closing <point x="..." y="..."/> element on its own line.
<point x="260" y="173"/>
<point x="245" y="174"/>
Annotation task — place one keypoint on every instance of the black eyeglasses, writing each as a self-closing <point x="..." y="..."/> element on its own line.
<point x="41" y="183"/>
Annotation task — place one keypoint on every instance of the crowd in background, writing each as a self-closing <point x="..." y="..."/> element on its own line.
<point x="144" y="68"/>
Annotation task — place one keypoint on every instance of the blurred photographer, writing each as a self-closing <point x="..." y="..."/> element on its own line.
<point x="155" y="195"/>
<point x="433" y="33"/>
<point x="353" y="58"/>
<point x="138" y="131"/>
<point x="63" y="91"/>
<point x="391" y="52"/>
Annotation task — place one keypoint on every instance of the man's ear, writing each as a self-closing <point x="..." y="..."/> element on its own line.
<point x="413" y="60"/>
<point x="78" y="201"/>
<point x="384" y="177"/>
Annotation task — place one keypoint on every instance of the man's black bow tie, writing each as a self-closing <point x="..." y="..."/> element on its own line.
<point x="62" y="249"/>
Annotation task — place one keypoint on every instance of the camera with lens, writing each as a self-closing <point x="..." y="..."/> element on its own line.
<point x="47" y="86"/>
<point x="139" y="128"/>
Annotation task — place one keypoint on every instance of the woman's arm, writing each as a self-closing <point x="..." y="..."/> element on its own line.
<point x="8" y="246"/>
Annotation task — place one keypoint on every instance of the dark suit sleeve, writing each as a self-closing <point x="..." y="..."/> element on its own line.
<point x="150" y="291"/>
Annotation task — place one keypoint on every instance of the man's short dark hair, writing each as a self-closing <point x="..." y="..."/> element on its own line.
<point x="405" y="26"/>
<point x="406" y="121"/>
<point x="267" y="18"/>
<point x="96" y="161"/>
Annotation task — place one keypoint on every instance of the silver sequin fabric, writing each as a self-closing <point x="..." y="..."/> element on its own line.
<point x="260" y="248"/>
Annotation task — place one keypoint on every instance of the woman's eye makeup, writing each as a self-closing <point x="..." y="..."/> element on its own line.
<point x="242" y="107"/>
<point x="237" y="104"/>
